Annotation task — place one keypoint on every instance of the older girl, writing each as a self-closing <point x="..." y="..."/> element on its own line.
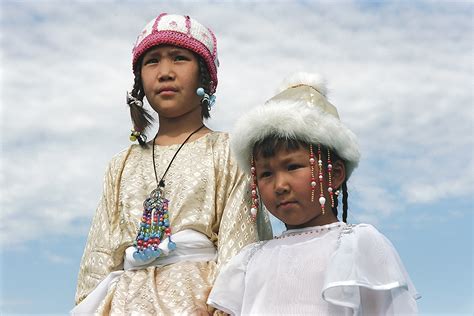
<point x="174" y="208"/>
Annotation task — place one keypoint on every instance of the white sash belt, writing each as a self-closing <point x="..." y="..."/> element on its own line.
<point x="190" y="246"/>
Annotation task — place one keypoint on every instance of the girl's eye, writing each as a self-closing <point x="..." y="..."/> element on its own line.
<point x="294" y="167"/>
<point x="264" y="174"/>
<point x="151" y="61"/>
<point x="181" y="58"/>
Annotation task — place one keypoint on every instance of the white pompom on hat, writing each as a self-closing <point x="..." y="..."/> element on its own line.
<point x="299" y="111"/>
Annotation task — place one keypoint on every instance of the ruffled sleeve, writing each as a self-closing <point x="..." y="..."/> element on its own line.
<point x="229" y="288"/>
<point x="366" y="274"/>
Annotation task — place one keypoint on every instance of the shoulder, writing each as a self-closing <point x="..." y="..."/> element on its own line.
<point x="362" y="235"/>
<point x="243" y="257"/>
<point x="366" y="243"/>
<point x="366" y="233"/>
<point x="218" y="139"/>
<point x="220" y="143"/>
<point x="363" y="231"/>
<point x="117" y="161"/>
<point x="122" y="154"/>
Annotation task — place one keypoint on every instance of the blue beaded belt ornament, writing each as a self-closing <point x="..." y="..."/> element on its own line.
<point x="155" y="223"/>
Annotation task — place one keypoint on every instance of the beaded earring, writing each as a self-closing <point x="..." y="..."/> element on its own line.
<point x="253" y="187"/>
<point x="330" y="189"/>
<point x="322" y="199"/>
<point x="210" y="99"/>
<point x="312" y="161"/>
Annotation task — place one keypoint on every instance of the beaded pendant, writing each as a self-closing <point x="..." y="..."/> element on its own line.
<point x="154" y="226"/>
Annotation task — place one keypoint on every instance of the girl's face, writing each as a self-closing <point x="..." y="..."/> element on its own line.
<point x="283" y="182"/>
<point x="170" y="77"/>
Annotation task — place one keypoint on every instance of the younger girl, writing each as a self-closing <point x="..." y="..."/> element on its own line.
<point x="300" y="157"/>
<point x="174" y="208"/>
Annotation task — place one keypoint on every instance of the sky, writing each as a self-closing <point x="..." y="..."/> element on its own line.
<point x="399" y="72"/>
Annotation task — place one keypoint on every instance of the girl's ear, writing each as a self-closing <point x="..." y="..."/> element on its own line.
<point x="338" y="173"/>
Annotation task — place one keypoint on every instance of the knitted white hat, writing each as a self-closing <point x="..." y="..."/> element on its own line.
<point x="299" y="111"/>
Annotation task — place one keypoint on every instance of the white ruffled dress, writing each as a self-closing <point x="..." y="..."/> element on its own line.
<point x="335" y="269"/>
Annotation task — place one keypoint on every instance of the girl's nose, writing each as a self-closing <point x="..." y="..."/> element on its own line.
<point x="281" y="185"/>
<point x="165" y="71"/>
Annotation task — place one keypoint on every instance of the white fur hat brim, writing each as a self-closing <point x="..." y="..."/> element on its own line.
<point x="295" y="118"/>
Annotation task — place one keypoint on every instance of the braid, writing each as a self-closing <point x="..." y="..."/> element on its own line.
<point x="140" y="117"/>
<point x="206" y="84"/>
<point x="334" y="209"/>
<point x="344" y="201"/>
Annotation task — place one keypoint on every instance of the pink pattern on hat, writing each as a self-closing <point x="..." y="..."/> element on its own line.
<point x="188" y="25"/>
<point x="190" y="35"/>
<point x="158" y="18"/>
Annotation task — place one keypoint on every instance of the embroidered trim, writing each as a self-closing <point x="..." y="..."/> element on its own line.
<point x="255" y="248"/>
<point x="314" y="231"/>
<point x="348" y="229"/>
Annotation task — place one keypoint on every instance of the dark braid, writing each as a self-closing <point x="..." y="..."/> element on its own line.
<point x="140" y="117"/>
<point x="206" y="84"/>
<point x="344" y="201"/>
<point x="336" y="202"/>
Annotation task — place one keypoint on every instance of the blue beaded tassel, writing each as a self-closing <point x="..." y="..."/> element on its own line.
<point x="210" y="99"/>
<point x="155" y="223"/>
<point x="154" y="226"/>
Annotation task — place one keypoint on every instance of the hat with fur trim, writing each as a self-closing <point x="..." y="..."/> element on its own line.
<point x="181" y="31"/>
<point x="299" y="111"/>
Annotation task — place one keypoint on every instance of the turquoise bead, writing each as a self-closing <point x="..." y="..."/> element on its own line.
<point x="148" y="253"/>
<point x="157" y="252"/>
<point x="171" y="245"/>
<point x="200" y="92"/>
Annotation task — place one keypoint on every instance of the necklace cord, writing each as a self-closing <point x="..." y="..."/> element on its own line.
<point x="161" y="183"/>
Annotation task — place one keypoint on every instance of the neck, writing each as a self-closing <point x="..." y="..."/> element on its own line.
<point x="318" y="221"/>
<point x="176" y="130"/>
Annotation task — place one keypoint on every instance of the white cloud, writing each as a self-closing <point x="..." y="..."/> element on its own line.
<point x="399" y="74"/>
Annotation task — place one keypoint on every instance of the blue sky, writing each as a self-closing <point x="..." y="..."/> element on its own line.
<point x="400" y="73"/>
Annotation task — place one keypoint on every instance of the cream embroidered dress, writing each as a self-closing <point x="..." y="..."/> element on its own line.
<point x="208" y="194"/>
